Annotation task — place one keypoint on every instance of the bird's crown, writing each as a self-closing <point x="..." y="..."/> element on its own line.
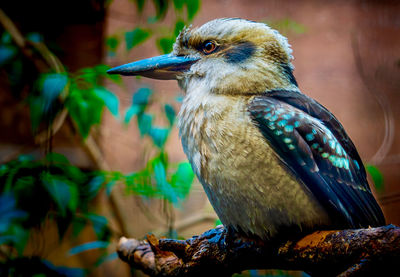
<point x="234" y="31"/>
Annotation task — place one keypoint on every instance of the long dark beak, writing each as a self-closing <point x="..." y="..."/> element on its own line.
<point x="165" y="67"/>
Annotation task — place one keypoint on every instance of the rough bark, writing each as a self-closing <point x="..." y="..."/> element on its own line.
<point x="361" y="252"/>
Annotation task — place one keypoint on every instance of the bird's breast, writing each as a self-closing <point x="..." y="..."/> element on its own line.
<point x="246" y="183"/>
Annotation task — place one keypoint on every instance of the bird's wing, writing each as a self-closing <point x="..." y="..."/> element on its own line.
<point x="315" y="109"/>
<point x="324" y="159"/>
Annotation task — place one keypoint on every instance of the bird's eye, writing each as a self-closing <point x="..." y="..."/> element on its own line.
<point x="209" y="47"/>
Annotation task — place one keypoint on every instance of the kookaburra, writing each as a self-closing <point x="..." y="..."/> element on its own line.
<point x="269" y="157"/>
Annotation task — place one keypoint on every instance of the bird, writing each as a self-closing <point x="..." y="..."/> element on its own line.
<point x="271" y="159"/>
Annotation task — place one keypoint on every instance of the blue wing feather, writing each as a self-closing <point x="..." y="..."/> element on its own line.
<point x="315" y="109"/>
<point x="303" y="133"/>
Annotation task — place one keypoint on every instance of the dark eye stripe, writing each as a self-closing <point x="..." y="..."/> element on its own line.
<point x="240" y="52"/>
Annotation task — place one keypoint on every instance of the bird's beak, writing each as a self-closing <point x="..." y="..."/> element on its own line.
<point x="165" y="67"/>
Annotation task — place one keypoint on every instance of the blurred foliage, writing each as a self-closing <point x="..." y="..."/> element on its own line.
<point x="50" y="189"/>
<point x="34" y="192"/>
<point x="159" y="178"/>
<point x="377" y="177"/>
<point x="82" y="95"/>
<point x="135" y="37"/>
<point x="87" y="97"/>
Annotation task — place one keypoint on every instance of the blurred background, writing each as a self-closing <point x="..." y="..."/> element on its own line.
<point x="86" y="158"/>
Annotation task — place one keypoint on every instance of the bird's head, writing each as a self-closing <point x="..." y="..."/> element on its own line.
<point x="227" y="56"/>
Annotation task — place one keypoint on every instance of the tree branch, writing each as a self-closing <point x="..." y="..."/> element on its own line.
<point x="358" y="252"/>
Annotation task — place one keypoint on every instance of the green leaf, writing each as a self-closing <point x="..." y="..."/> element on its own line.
<point x="63" y="194"/>
<point x="77" y="226"/>
<point x="170" y="114"/>
<point x="4" y="169"/>
<point x="23" y="184"/>
<point x="109" y="186"/>
<point x="35" y="110"/>
<point x="88" y="246"/>
<point x="135" y="37"/>
<point x="85" y="109"/>
<point x="182" y="179"/>
<point x="159" y="136"/>
<point x="131" y="112"/>
<point x="7" y="239"/>
<point x="139" y="5"/>
<point x="161" y="8"/>
<point x="193" y="7"/>
<point x="178" y="4"/>
<point x="179" y="98"/>
<point x="74" y="174"/>
<point x="9" y="212"/>
<point x="34" y="37"/>
<point x="7" y="53"/>
<point x="100" y="70"/>
<point x="142" y="96"/>
<point x="6" y="38"/>
<point x="46" y="105"/>
<point x="377" y="177"/>
<point x="161" y="180"/>
<point x="89" y="76"/>
<point x="112" y="42"/>
<point x="165" y="44"/>
<point x="73" y="201"/>
<point x="109" y="99"/>
<point x="99" y="224"/>
<point x="51" y="86"/>
<point x="115" y="78"/>
<point x="163" y="156"/>
<point x="54" y="157"/>
<point x="179" y="25"/>
<point x="94" y="186"/>
<point x="144" y="123"/>
<point x="21" y="238"/>
<point x="25" y="158"/>
<point x="92" y="77"/>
